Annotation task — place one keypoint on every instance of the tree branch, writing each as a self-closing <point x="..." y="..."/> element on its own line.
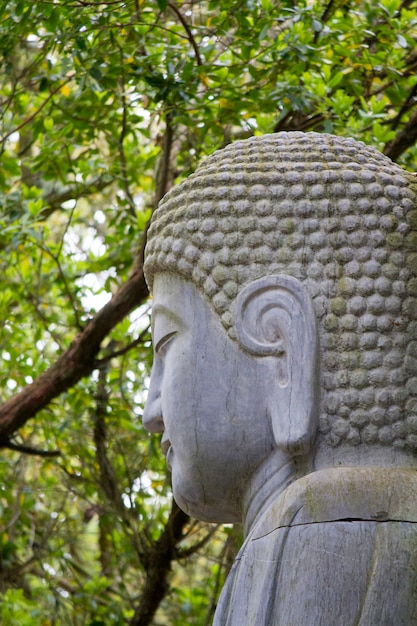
<point x="32" y="451"/>
<point x="403" y="140"/>
<point x="54" y="200"/>
<point x="407" y="105"/>
<point x="165" y="162"/>
<point x="136" y="342"/>
<point x="108" y="482"/>
<point x="328" y="11"/>
<point x="122" y="136"/>
<point x="188" y="31"/>
<point x="158" y="567"/>
<point x="38" y="110"/>
<point x="78" y="361"/>
<point x="187" y="552"/>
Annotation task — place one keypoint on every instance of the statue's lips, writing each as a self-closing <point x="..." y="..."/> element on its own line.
<point x="165" y="444"/>
<point x="167" y="450"/>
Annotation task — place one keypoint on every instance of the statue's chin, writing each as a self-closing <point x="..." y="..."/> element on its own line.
<point x="194" y="500"/>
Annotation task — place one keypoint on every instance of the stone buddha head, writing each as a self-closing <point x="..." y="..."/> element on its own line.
<point x="285" y="315"/>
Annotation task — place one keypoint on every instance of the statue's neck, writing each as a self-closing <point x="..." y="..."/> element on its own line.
<point x="267" y="483"/>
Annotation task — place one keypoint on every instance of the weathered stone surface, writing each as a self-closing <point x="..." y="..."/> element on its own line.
<point x="337" y="547"/>
<point x="285" y="374"/>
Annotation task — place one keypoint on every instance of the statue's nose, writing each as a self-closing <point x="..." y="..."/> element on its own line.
<point x="152" y="414"/>
<point x="152" y="418"/>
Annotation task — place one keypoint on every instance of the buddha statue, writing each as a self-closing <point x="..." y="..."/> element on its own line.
<point x="284" y="383"/>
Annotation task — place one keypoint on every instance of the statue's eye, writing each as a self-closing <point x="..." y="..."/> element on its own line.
<point x="163" y="342"/>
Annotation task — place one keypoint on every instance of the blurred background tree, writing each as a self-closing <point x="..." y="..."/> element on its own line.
<point x="103" y="106"/>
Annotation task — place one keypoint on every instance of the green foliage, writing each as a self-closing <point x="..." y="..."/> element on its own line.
<point x="103" y="106"/>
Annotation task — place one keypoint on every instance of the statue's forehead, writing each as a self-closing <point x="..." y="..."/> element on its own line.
<point x="174" y="295"/>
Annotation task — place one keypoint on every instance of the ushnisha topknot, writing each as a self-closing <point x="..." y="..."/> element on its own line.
<point x="342" y="218"/>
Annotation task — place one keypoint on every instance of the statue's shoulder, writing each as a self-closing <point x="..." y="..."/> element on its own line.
<point x="344" y="493"/>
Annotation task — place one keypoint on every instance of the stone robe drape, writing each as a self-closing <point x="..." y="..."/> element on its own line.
<point x="337" y="548"/>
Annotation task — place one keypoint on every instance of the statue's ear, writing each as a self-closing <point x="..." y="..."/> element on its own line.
<point x="274" y="317"/>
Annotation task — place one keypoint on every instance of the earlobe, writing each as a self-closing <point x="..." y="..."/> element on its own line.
<point x="274" y="316"/>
